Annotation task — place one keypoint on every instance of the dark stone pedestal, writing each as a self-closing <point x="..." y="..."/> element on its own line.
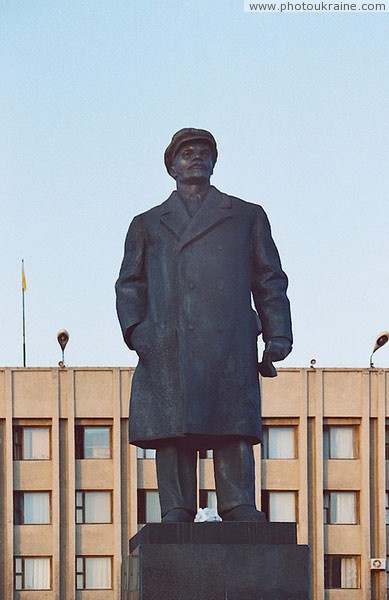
<point x="217" y="561"/>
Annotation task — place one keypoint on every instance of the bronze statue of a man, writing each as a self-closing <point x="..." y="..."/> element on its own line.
<point x="191" y="268"/>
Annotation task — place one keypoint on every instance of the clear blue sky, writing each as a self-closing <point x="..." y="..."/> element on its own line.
<point x="91" y="93"/>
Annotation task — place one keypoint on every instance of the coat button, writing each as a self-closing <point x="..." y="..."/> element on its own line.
<point x="220" y="286"/>
<point x="220" y="247"/>
<point x="190" y="327"/>
<point x="191" y="285"/>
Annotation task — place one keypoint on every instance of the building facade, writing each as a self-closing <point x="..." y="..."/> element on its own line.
<point x="72" y="491"/>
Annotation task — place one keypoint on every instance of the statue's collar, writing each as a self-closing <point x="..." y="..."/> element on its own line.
<point x="212" y="212"/>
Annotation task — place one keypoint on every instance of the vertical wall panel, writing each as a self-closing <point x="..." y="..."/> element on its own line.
<point x="63" y="505"/>
<point x="71" y="493"/>
<point x="2" y="502"/>
<point x="364" y="486"/>
<point x="117" y="507"/>
<point x="319" y="549"/>
<point x="55" y="492"/>
<point x="9" y="486"/>
<point x="303" y="452"/>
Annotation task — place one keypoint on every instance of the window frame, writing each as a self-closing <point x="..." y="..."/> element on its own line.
<point x="265" y="504"/>
<point x="205" y="454"/>
<point x="18" y="440"/>
<point x="327" y="494"/>
<point x="82" y="507"/>
<point x="387" y="571"/>
<point x="145" y="453"/>
<point x="142" y="506"/>
<point x="265" y="440"/>
<point x="328" y="424"/>
<point x="82" y="573"/>
<point x="387" y="440"/>
<point x="79" y="440"/>
<point x="329" y="570"/>
<point x="204" y="499"/>
<point x="22" y="573"/>
<point x="19" y="518"/>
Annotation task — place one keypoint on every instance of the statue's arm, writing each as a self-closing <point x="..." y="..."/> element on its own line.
<point x="269" y="284"/>
<point x="131" y="286"/>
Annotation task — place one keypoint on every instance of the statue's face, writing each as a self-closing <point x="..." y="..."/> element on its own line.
<point x="193" y="163"/>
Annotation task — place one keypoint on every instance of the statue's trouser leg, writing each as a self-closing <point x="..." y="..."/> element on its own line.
<point x="234" y="475"/>
<point x="177" y="478"/>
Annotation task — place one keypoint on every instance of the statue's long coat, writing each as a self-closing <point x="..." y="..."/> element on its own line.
<point x="184" y="304"/>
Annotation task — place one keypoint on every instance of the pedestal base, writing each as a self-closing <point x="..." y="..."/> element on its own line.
<point x="217" y="561"/>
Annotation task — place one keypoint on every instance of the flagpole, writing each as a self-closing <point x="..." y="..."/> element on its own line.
<point x="24" y="313"/>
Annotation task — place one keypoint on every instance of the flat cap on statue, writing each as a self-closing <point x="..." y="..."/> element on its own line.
<point x="188" y="134"/>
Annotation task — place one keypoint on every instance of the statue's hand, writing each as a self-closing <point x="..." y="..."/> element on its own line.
<point x="277" y="348"/>
<point x="141" y="339"/>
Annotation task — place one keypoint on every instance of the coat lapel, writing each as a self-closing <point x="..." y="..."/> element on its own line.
<point x="215" y="209"/>
<point x="174" y="215"/>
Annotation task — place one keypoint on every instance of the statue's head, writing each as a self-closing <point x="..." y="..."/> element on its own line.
<point x="189" y="136"/>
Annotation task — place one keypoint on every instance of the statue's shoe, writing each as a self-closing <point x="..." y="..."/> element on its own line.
<point x="178" y="515"/>
<point x="244" y="513"/>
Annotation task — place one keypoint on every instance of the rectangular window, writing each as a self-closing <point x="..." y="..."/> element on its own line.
<point x="31" y="508"/>
<point x="93" y="442"/>
<point x="149" y="510"/>
<point x="93" y="507"/>
<point x="340" y="508"/>
<point x="205" y="453"/>
<point x="387" y="508"/>
<point x="387" y="443"/>
<point x="279" y="442"/>
<point x="31" y="443"/>
<point x="145" y="453"/>
<point x="94" y="572"/>
<point x="279" y="506"/>
<point x="387" y="572"/>
<point x="208" y="499"/>
<point x="339" y="442"/>
<point x="32" y="573"/>
<point x="341" y="572"/>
